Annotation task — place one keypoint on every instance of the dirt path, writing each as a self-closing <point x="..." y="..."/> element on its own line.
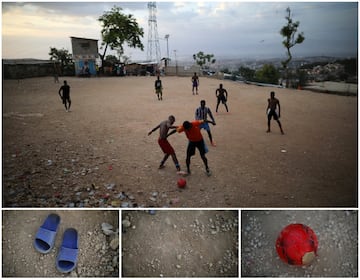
<point x="180" y="244"/>
<point x="99" y="154"/>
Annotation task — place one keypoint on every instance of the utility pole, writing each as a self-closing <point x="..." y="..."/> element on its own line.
<point x="167" y="44"/>
<point x="176" y="62"/>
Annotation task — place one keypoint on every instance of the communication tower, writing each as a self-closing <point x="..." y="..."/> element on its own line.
<point x="153" y="50"/>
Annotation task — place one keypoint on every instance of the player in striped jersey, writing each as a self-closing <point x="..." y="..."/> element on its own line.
<point x="201" y="113"/>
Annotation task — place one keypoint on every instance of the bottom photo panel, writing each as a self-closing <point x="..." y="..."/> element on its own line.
<point x="299" y="243"/>
<point x="180" y="243"/>
<point x="60" y="243"/>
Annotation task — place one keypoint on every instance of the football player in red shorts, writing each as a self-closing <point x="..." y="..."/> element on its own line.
<point x="164" y="143"/>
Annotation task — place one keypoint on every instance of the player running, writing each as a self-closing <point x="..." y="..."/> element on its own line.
<point x="193" y="134"/>
<point x="65" y="95"/>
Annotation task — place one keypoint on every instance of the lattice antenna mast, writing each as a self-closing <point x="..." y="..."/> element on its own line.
<point x="153" y="51"/>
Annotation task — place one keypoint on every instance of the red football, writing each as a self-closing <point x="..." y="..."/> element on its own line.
<point x="297" y="244"/>
<point x="181" y="183"/>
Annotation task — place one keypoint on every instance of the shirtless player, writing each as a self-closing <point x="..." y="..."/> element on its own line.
<point x="163" y="142"/>
<point x="222" y="96"/>
<point x="271" y="111"/>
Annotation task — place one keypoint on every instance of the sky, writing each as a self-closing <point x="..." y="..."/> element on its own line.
<point x="225" y="29"/>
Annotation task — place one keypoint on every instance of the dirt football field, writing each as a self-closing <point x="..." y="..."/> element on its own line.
<point x="100" y="155"/>
<point x="197" y="243"/>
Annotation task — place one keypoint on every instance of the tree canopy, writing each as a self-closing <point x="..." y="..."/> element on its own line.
<point x="201" y="58"/>
<point x="247" y="73"/>
<point x="118" y="29"/>
<point x="267" y="74"/>
<point x="62" y="56"/>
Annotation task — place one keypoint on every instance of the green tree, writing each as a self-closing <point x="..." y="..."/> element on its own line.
<point x="118" y="29"/>
<point x="350" y="66"/>
<point x="202" y="59"/>
<point x="111" y="59"/>
<point x="247" y="73"/>
<point x="302" y="77"/>
<point x="267" y="74"/>
<point x="291" y="38"/>
<point x="63" y="57"/>
<point x="225" y="70"/>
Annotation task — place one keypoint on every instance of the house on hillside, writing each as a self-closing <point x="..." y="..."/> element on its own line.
<point x="85" y="52"/>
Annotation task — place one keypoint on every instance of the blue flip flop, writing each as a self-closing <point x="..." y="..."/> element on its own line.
<point x="67" y="258"/>
<point x="45" y="236"/>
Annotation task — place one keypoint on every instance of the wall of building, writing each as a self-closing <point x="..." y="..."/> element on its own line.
<point x="20" y="69"/>
<point x="85" y="52"/>
<point x="182" y="70"/>
<point x="84" y="47"/>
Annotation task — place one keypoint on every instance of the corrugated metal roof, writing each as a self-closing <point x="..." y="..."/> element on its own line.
<point x="143" y="62"/>
<point x="78" y="38"/>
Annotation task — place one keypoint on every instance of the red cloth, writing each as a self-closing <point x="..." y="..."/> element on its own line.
<point x="165" y="146"/>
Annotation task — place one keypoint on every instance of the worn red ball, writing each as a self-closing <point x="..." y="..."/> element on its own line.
<point x="297" y="244"/>
<point x="181" y="183"/>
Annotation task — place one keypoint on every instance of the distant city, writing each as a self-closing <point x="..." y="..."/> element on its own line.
<point x="233" y="64"/>
<point x="317" y="68"/>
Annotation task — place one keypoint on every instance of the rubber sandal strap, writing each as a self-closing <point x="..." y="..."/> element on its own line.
<point x="68" y="254"/>
<point x="46" y="236"/>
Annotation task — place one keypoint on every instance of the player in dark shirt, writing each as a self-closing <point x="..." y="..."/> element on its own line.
<point x="65" y="96"/>
<point x="158" y="88"/>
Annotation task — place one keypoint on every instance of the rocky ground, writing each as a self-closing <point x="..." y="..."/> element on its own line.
<point x="98" y="243"/>
<point x="337" y="233"/>
<point x="172" y="243"/>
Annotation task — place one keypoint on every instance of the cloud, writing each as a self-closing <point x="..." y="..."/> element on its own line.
<point x="214" y="27"/>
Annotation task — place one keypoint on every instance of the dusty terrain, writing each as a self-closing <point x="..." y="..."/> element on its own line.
<point x="99" y="154"/>
<point x="98" y="253"/>
<point x="175" y="243"/>
<point x="337" y="233"/>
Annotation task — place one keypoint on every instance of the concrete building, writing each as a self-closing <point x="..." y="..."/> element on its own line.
<point x="85" y="51"/>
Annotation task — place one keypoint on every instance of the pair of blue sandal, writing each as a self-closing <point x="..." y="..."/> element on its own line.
<point x="45" y="239"/>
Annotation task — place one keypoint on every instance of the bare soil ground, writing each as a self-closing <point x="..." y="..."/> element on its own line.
<point x="99" y="154"/>
<point x="336" y="231"/>
<point x="172" y="243"/>
<point x="98" y="256"/>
